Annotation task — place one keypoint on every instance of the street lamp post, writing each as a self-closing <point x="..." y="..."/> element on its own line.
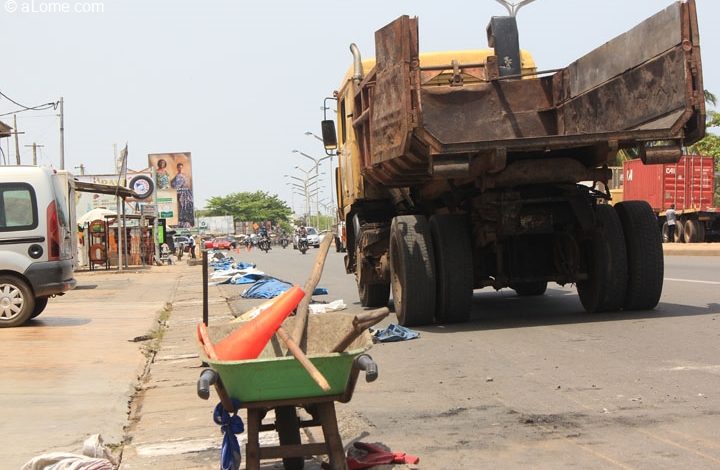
<point x="331" y="154"/>
<point x="307" y="182"/>
<point x="317" y="161"/>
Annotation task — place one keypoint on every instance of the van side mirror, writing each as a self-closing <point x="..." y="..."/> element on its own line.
<point x="329" y="135"/>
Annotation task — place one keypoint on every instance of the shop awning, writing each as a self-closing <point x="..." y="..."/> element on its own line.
<point x="121" y="191"/>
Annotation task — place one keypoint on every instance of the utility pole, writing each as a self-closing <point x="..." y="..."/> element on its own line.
<point x="62" y="133"/>
<point x="17" y="143"/>
<point x="35" y="146"/>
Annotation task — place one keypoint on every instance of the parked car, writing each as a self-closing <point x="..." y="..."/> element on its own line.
<point x="184" y="239"/>
<point x="36" y="241"/>
<point x="221" y="243"/>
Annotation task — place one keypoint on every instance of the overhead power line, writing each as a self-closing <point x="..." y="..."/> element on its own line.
<point x="40" y="107"/>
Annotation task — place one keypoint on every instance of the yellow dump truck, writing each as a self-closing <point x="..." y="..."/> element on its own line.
<point x="459" y="170"/>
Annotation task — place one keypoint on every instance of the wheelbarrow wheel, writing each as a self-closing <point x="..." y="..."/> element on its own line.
<point x="288" y="429"/>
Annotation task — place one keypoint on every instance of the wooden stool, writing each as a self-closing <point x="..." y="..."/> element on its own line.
<point x="287" y="425"/>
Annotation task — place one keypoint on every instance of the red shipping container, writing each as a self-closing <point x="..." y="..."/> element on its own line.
<point x="688" y="184"/>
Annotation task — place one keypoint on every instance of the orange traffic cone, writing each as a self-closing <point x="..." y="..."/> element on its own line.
<point x="248" y="341"/>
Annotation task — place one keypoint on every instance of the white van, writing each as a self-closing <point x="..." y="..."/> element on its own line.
<point x="36" y="242"/>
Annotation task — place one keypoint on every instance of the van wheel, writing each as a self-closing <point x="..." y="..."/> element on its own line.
<point x="40" y="304"/>
<point x="16" y="302"/>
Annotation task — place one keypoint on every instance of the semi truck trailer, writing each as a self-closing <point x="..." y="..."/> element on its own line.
<point x="688" y="185"/>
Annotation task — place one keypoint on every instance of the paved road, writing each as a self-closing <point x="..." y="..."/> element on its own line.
<point x="538" y="382"/>
<point x="527" y="382"/>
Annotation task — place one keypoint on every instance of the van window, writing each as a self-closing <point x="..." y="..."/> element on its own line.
<point x="18" y="207"/>
<point x="60" y="202"/>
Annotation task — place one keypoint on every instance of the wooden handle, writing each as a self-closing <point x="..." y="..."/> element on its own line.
<point x="361" y="323"/>
<point x="303" y="360"/>
<point x="370" y="318"/>
<point x="302" y="310"/>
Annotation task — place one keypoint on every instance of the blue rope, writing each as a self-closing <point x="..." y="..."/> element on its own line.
<point x="230" y="456"/>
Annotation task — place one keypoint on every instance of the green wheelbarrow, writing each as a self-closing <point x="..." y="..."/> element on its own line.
<point x="276" y="381"/>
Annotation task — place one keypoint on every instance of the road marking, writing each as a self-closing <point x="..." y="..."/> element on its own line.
<point x="693" y="281"/>
<point x="680" y="446"/>
<point x="703" y="368"/>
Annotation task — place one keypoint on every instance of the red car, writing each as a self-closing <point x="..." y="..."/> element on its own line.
<point x="222" y="243"/>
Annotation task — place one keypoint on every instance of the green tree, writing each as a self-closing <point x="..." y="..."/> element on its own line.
<point x="250" y="207"/>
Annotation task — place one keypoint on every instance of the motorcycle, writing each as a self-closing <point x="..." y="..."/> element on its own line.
<point x="303" y="244"/>
<point x="264" y="244"/>
<point x="284" y="242"/>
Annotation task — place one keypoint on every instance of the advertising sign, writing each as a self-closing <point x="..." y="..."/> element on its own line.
<point x="173" y="180"/>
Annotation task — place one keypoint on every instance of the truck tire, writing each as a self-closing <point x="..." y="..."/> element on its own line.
<point x="679" y="231"/>
<point x="373" y="295"/>
<point x="604" y="289"/>
<point x="412" y="270"/>
<point x="287" y="426"/>
<point x="644" y="255"/>
<point x="17" y="301"/>
<point x="693" y="231"/>
<point x="529" y="289"/>
<point x="453" y="267"/>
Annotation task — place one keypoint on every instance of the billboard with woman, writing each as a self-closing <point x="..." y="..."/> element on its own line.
<point x="173" y="176"/>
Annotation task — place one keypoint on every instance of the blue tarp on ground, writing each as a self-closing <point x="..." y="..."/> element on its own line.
<point x="394" y="333"/>
<point x="268" y="288"/>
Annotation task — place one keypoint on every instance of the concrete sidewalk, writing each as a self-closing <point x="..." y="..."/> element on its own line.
<point x="691" y="249"/>
<point x="169" y="426"/>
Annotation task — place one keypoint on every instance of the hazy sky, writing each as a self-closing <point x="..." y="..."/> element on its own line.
<point x="238" y="83"/>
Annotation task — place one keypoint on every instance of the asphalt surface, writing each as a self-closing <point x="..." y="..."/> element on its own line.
<point x="526" y="383"/>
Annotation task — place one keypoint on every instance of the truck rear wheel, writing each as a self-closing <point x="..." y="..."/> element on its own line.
<point x="373" y="295"/>
<point x="528" y="289"/>
<point x="453" y="267"/>
<point x="412" y="270"/>
<point x="693" y="231"/>
<point x="644" y="255"/>
<point x="604" y="289"/>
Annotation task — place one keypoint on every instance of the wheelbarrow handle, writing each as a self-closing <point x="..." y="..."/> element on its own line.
<point x="207" y="378"/>
<point x="366" y="363"/>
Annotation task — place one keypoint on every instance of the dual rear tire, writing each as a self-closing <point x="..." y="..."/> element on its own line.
<point x="431" y="269"/>
<point x="624" y="260"/>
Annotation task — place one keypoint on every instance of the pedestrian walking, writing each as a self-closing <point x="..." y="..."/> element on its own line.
<point x="671" y="217"/>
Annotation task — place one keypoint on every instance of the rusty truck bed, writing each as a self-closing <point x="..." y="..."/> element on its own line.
<point x="642" y="89"/>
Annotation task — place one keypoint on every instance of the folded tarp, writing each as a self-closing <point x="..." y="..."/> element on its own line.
<point x="247" y="278"/>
